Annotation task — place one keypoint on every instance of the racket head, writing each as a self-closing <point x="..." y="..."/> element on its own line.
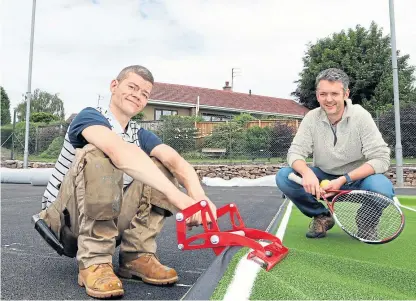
<point x="368" y="216"/>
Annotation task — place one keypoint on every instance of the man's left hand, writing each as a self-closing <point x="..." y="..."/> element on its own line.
<point x="333" y="185"/>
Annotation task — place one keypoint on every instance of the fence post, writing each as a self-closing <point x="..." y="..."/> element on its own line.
<point x="14" y="127"/>
<point x="36" y="139"/>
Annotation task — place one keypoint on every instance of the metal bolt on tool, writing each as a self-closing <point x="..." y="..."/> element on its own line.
<point x="179" y="217"/>
<point x="214" y="239"/>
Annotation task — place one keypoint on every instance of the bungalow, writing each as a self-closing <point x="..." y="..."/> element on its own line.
<point x="215" y="105"/>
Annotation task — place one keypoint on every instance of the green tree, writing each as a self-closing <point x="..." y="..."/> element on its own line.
<point x="179" y="132"/>
<point x="43" y="117"/>
<point x="42" y="101"/>
<point x="243" y="118"/>
<point x="365" y="55"/>
<point x="5" y="107"/>
<point x="138" y="117"/>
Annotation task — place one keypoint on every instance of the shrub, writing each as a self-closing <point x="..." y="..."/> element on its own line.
<point x="230" y="136"/>
<point x="6" y="132"/>
<point x="43" y="117"/>
<point x="243" y="118"/>
<point x="257" y="141"/>
<point x="179" y="132"/>
<point x="407" y="126"/>
<point x="281" y="138"/>
<point x="54" y="149"/>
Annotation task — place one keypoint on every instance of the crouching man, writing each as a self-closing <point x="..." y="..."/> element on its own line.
<point x="114" y="184"/>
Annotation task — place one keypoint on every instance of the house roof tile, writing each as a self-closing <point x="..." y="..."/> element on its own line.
<point x="228" y="99"/>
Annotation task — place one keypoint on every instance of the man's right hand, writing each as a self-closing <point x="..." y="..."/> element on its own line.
<point x="185" y="202"/>
<point x="311" y="183"/>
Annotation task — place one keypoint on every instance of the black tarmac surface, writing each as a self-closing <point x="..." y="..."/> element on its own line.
<point x="30" y="269"/>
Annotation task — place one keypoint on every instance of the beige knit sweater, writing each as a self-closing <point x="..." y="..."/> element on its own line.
<point x="358" y="141"/>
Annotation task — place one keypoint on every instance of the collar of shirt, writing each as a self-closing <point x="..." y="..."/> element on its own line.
<point x="347" y="112"/>
<point x="115" y="125"/>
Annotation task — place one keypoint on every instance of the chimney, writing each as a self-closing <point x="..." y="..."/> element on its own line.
<point x="249" y="92"/>
<point x="227" y="87"/>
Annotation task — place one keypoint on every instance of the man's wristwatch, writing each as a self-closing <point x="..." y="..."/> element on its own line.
<point x="348" y="178"/>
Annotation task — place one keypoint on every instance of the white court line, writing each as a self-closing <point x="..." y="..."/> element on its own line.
<point x="396" y="200"/>
<point x="408" y="208"/>
<point x="246" y="272"/>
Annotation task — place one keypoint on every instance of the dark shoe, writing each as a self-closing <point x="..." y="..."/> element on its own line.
<point x="319" y="225"/>
<point x="100" y="281"/>
<point x="149" y="269"/>
<point x="367" y="233"/>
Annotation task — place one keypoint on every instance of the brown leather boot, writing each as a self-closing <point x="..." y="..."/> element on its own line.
<point x="149" y="269"/>
<point x="100" y="281"/>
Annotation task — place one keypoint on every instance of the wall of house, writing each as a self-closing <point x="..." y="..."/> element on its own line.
<point x="219" y="113"/>
<point x="149" y="111"/>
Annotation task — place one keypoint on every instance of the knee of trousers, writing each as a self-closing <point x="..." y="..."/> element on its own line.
<point x="103" y="185"/>
<point x="157" y="198"/>
<point x="379" y="183"/>
<point x="282" y="180"/>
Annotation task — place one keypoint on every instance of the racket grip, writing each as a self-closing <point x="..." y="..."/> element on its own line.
<point x="295" y="178"/>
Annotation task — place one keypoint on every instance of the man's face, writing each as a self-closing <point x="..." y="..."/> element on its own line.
<point x="131" y="94"/>
<point x="331" y="97"/>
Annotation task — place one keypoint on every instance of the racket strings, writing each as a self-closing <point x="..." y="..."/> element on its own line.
<point x="367" y="215"/>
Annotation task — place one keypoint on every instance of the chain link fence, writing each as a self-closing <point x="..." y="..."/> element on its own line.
<point x="45" y="141"/>
<point x="238" y="142"/>
<point x="385" y="121"/>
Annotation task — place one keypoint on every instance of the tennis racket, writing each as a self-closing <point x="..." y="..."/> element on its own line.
<point x="367" y="216"/>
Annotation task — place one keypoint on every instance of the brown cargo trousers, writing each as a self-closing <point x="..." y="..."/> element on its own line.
<point x="92" y="211"/>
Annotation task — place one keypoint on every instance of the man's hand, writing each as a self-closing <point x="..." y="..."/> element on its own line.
<point x="311" y="184"/>
<point x="196" y="219"/>
<point x="333" y="185"/>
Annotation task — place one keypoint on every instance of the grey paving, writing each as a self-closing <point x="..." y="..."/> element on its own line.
<point x="30" y="269"/>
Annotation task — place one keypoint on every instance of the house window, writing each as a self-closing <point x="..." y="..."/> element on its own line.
<point x="215" y="117"/>
<point x="159" y="113"/>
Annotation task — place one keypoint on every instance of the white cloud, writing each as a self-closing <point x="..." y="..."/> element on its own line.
<point x="81" y="45"/>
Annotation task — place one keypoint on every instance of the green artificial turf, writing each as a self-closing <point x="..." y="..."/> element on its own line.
<point x="338" y="267"/>
<point x="225" y="281"/>
<point x="407" y="200"/>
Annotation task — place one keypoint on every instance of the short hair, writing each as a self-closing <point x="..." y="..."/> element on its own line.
<point x="137" y="69"/>
<point x="333" y="75"/>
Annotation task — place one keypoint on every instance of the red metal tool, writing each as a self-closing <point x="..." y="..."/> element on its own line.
<point x="239" y="235"/>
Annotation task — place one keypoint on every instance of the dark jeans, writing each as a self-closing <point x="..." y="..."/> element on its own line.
<point x="309" y="206"/>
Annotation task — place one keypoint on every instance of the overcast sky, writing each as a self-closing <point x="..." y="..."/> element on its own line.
<point x="81" y="45"/>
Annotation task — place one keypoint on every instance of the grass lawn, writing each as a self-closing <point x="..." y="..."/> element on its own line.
<point x="338" y="267"/>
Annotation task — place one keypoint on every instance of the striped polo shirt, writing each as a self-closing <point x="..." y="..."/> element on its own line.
<point x="74" y="139"/>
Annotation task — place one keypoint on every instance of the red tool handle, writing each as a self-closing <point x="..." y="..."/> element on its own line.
<point x="218" y="240"/>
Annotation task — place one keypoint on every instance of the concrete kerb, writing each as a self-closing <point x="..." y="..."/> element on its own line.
<point x="206" y="284"/>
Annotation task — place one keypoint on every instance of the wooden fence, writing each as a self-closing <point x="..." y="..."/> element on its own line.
<point x="205" y="128"/>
